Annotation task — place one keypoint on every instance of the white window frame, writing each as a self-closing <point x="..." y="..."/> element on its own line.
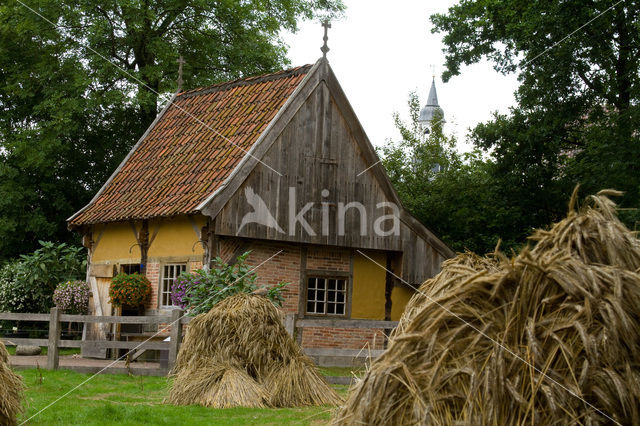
<point x="175" y="268"/>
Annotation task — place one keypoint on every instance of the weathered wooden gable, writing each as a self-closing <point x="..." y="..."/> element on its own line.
<point x="316" y="152"/>
<point x="315" y="159"/>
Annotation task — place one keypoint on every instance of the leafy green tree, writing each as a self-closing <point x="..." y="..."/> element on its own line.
<point x="577" y="114"/>
<point x="454" y="194"/>
<point x="68" y="115"/>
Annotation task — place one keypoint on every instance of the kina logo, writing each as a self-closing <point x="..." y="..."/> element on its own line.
<point x="260" y="214"/>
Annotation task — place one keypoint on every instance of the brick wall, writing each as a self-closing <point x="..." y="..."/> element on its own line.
<point x="283" y="267"/>
<point x="228" y="247"/>
<point x="343" y="338"/>
<point x="153" y="274"/>
<point x="329" y="259"/>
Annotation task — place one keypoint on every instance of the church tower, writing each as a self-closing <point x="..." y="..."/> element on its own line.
<point x="431" y="109"/>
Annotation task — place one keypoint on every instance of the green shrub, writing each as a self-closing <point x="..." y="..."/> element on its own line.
<point x="129" y="289"/>
<point x="27" y="284"/>
<point x="198" y="291"/>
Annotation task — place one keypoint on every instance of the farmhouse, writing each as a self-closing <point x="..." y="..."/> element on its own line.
<point x="277" y="165"/>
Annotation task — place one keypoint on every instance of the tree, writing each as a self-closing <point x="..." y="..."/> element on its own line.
<point x="453" y="194"/>
<point x="577" y="114"/>
<point x="68" y="116"/>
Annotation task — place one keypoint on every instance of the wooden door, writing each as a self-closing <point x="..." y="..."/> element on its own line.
<point x="98" y="305"/>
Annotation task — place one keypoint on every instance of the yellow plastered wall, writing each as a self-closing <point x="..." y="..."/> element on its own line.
<point x="113" y="243"/>
<point x="173" y="237"/>
<point x="399" y="298"/>
<point x="368" y="286"/>
<point x="176" y="237"/>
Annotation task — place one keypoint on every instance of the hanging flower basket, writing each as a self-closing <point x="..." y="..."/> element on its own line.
<point x="129" y="289"/>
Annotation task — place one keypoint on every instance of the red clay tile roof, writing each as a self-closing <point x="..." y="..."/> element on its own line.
<point x="180" y="162"/>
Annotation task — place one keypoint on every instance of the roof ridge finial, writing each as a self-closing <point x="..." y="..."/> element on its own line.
<point x="180" y="62"/>
<point x="433" y="71"/>
<point x="326" y="24"/>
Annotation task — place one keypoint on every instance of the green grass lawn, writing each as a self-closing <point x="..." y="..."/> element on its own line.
<point x="124" y="400"/>
<point x="342" y="371"/>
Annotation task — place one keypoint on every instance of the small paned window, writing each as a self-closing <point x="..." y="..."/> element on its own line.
<point x="170" y="272"/>
<point x="326" y="296"/>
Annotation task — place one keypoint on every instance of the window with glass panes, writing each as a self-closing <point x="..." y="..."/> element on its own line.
<point x="326" y="296"/>
<point x="170" y="272"/>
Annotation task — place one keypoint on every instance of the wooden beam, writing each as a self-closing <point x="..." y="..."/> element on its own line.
<point x="11" y="341"/>
<point x="116" y="319"/>
<point x="290" y="323"/>
<point x="54" y="336"/>
<point x="176" y="337"/>
<point x="342" y="323"/>
<point x="115" y="344"/>
<point x="12" y="316"/>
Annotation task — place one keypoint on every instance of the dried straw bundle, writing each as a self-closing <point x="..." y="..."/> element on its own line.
<point x="217" y="385"/>
<point x="241" y="346"/>
<point x="454" y="271"/>
<point x="594" y="234"/>
<point x="11" y="388"/>
<point x="4" y="355"/>
<point x="298" y="383"/>
<point x="548" y="332"/>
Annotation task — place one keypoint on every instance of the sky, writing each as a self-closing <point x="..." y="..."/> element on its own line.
<point x="381" y="51"/>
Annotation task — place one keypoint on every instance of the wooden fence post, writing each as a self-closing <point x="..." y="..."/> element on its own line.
<point x="290" y="324"/>
<point x="176" y="336"/>
<point x="54" y="335"/>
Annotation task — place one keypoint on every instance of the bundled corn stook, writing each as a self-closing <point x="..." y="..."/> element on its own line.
<point x="240" y="354"/>
<point x="549" y="337"/>
<point x="11" y="388"/>
<point x="454" y="272"/>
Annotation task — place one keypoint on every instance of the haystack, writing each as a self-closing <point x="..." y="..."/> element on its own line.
<point x="454" y="272"/>
<point x="240" y="354"/>
<point x="11" y="388"/>
<point x="549" y="337"/>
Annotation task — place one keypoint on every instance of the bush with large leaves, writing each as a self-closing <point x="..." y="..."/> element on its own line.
<point x="198" y="291"/>
<point x="27" y="284"/>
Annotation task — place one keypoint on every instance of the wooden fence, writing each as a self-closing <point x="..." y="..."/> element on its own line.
<point x="54" y="343"/>
<point x="55" y="319"/>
